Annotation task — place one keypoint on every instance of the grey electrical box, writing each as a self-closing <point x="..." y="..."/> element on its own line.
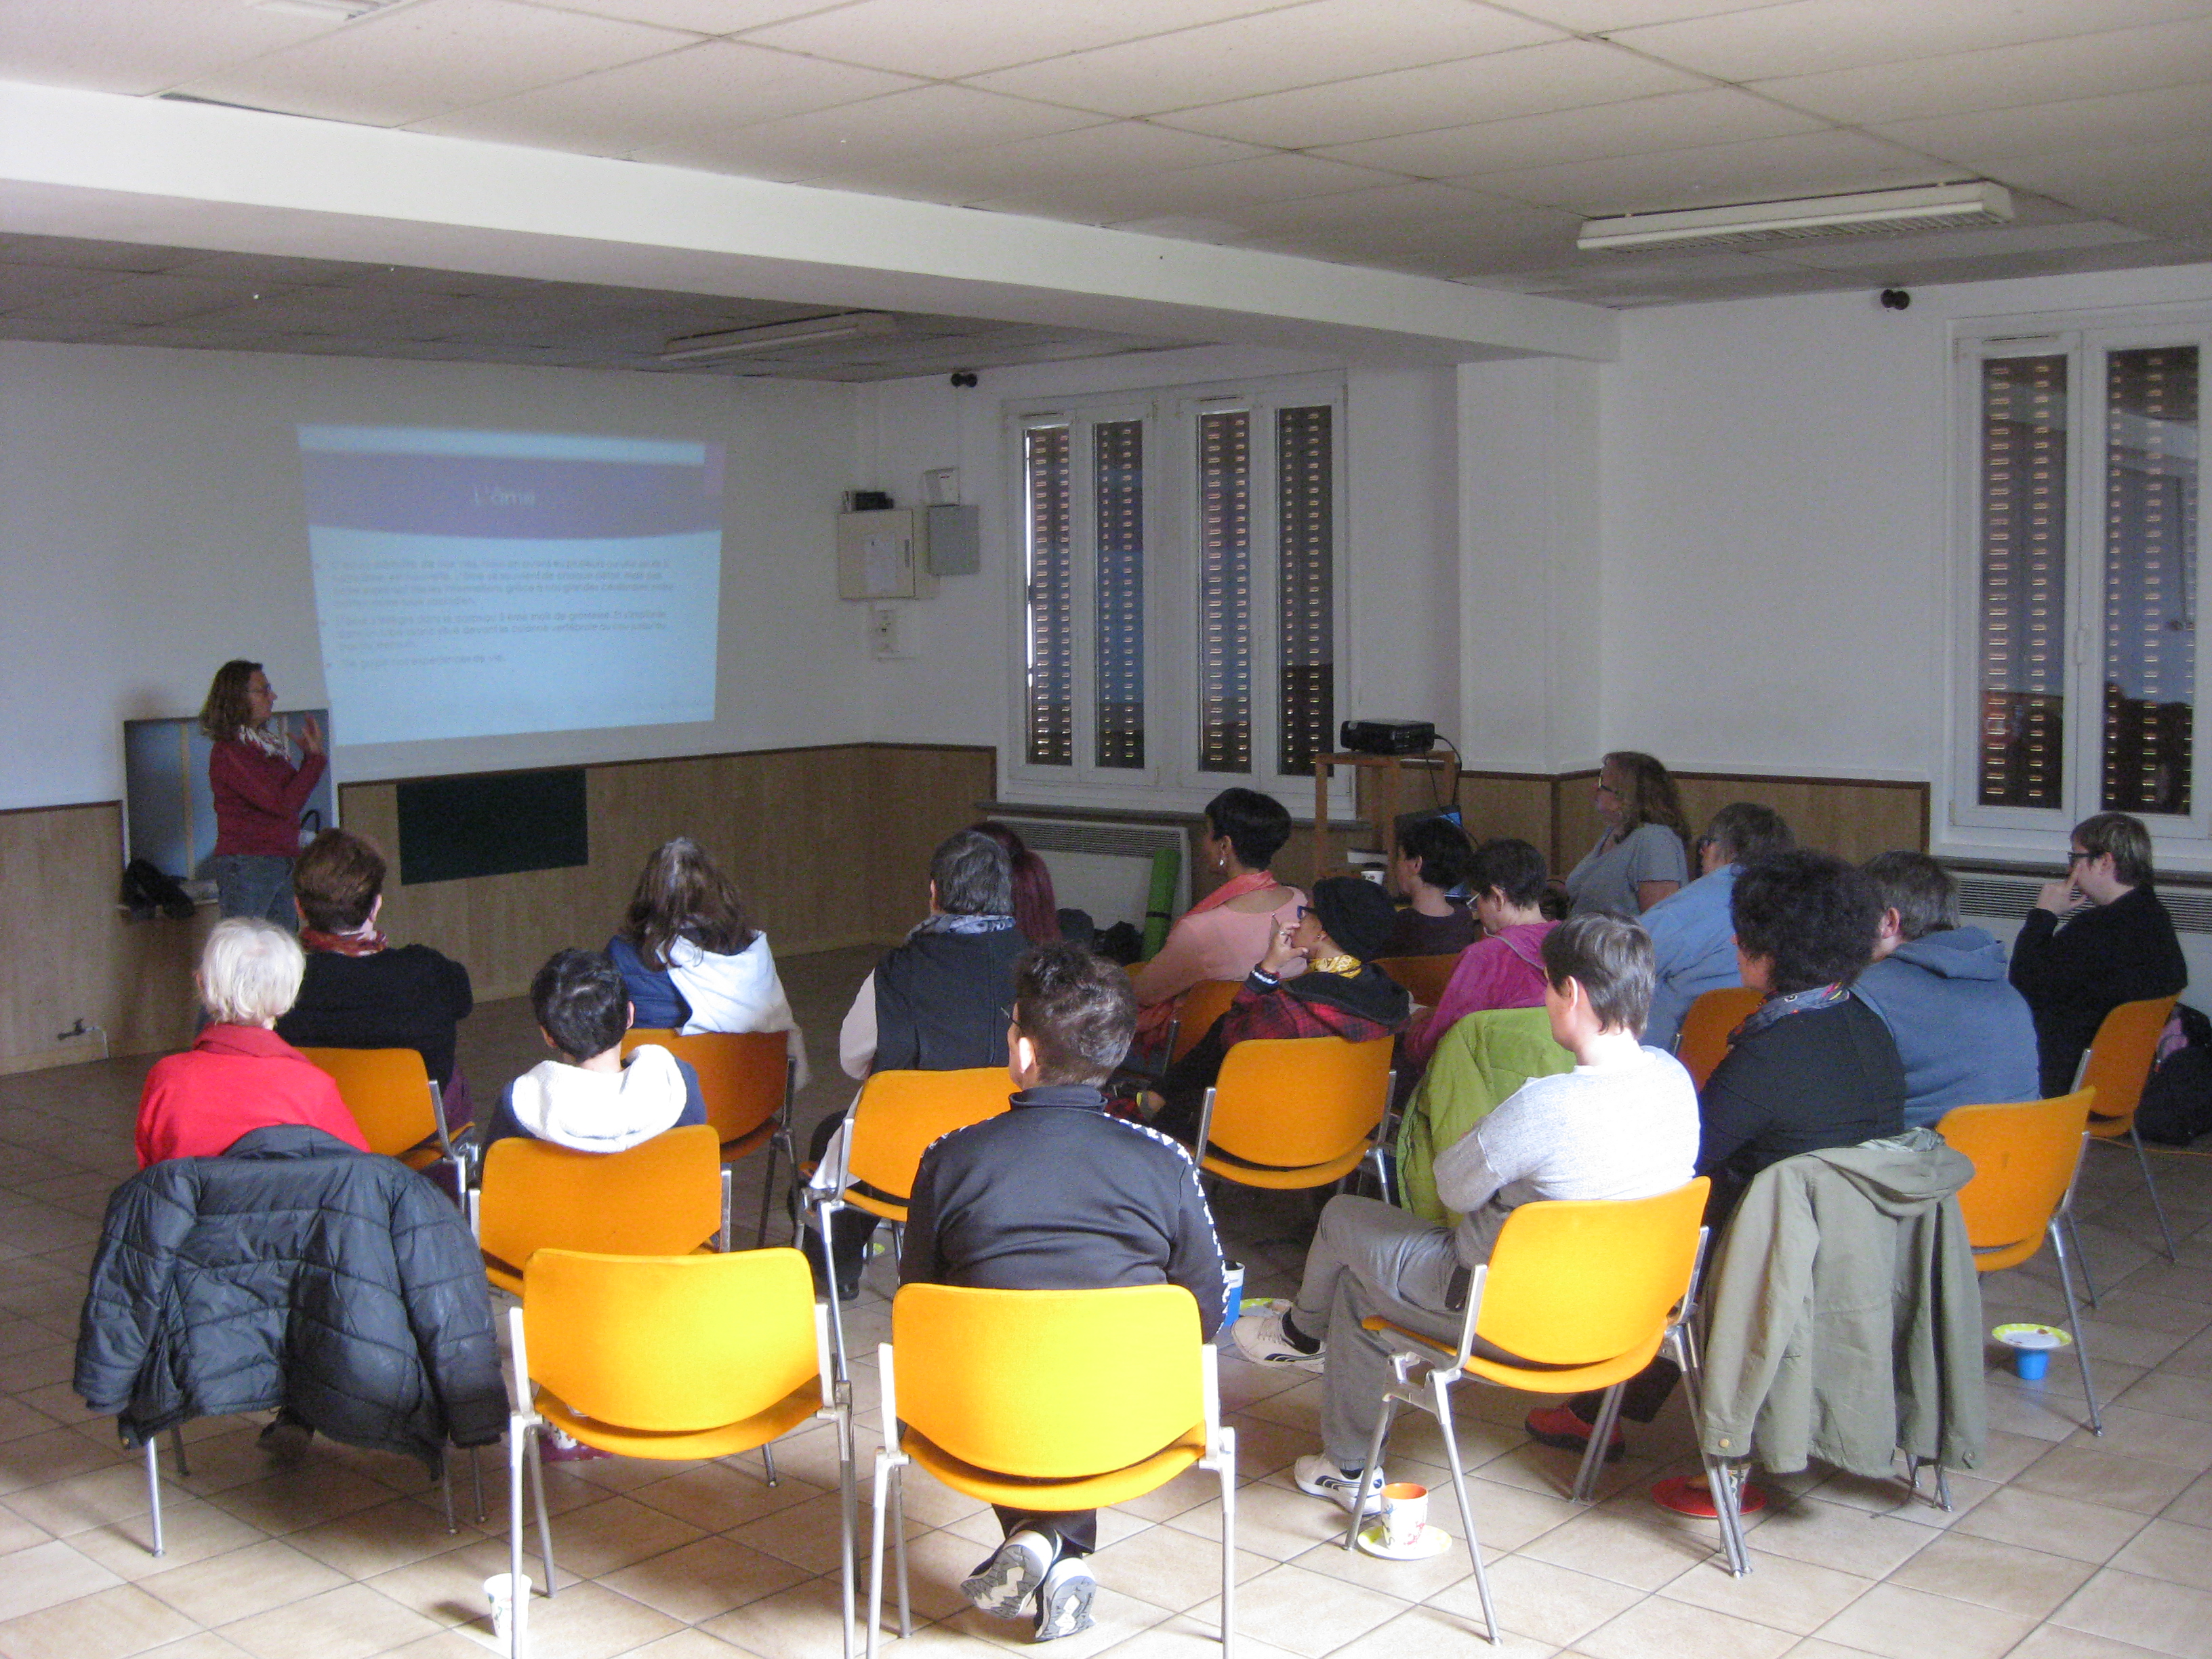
<point x="954" y="540"/>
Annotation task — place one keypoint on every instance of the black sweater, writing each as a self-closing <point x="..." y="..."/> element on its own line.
<point x="1055" y="1195"/>
<point x="408" y="997"/>
<point x="2072" y="976"/>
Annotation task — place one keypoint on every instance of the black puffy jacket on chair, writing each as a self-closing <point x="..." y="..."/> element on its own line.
<point x="293" y="1270"/>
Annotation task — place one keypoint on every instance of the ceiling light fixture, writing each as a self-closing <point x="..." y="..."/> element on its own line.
<point x="774" y="337"/>
<point x="1869" y="213"/>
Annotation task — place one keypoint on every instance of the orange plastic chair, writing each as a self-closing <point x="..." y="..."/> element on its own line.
<point x="1196" y="1009"/>
<point x="892" y="1124"/>
<point x="1296" y="1112"/>
<point x="672" y="1357"/>
<point x="1056" y="1400"/>
<point x="661" y="1197"/>
<point x="1585" y="1295"/>
<point x="2025" y="1160"/>
<point x="1702" y="1042"/>
<point x="393" y="1098"/>
<point x="745" y="1078"/>
<point x="1423" y="977"/>
<point x="2117" y="1066"/>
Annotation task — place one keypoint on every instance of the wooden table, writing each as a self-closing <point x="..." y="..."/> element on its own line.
<point x="1387" y="768"/>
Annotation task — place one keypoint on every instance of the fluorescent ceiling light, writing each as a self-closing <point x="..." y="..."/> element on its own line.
<point x="1870" y="213"/>
<point x="774" y="337"/>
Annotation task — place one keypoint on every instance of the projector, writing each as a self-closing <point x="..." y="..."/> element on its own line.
<point x="1388" y="737"/>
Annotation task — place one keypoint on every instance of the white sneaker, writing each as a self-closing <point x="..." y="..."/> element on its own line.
<point x="1259" y="1337"/>
<point x="1315" y="1474"/>
<point x="1003" y="1585"/>
<point x="1064" y="1599"/>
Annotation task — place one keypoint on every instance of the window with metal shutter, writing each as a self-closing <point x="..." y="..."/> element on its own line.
<point x="1118" y="454"/>
<point x="2023" y="458"/>
<point x="1305" y="492"/>
<point x="1224" y="591"/>
<point x="1051" y="735"/>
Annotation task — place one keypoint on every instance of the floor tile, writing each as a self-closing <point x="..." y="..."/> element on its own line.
<point x="109" y="1624"/>
<point x="1899" y="1623"/>
<point x="350" y="1622"/>
<point x="1307" y="1613"/>
<point x="47" y="1574"/>
<point x="245" y="1582"/>
<point x="1541" y="1599"/>
<point x="1798" y="1597"/>
<point x="2168" y="1619"/>
<point x="2091" y="1474"/>
<point x="2170" y="1551"/>
<point x="1656" y="1628"/>
<point x="2005" y="1576"/>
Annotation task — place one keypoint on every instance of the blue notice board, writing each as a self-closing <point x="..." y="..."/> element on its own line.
<point x="168" y="814"/>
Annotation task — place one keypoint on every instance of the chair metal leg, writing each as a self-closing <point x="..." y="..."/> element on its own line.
<point x="154" y="1490"/>
<point x="1374" y="1462"/>
<point x="883" y="1474"/>
<point x="544" y="1526"/>
<point x="476" y="1478"/>
<point x="722" y="1233"/>
<point x="1441" y="1392"/>
<point x="446" y="1491"/>
<point x="824" y="1214"/>
<point x="768" y="1457"/>
<point x="847" y="1504"/>
<point x="898" y="1547"/>
<point x="177" y="1447"/>
<point x="1229" y="1554"/>
<point x="1684" y="1342"/>
<point x="2082" y="1256"/>
<point x="1586" y="1474"/>
<point x="768" y="1196"/>
<point x="2074" y="1325"/>
<point x="2142" y="1159"/>
<point x="518" y="1448"/>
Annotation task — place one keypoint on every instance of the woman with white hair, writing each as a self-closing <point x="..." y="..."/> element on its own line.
<point x="240" y="1075"/>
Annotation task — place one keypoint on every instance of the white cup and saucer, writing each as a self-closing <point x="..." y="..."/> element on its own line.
<point x="1402" y="1531"/>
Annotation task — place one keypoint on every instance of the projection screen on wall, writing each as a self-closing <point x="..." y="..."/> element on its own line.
<point x="473" y="583"/>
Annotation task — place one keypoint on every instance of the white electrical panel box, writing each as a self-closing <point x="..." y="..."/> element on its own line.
<point x="885" y="556"/>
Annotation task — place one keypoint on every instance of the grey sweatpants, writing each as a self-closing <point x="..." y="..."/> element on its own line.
<point x="1370" y="1258"/>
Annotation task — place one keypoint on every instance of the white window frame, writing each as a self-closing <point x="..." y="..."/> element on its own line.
<point x="1170" y="780"/>
<point x="2086" y="338"/>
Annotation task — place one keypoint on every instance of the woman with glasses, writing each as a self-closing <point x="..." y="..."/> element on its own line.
<point x="1641" y="857"/>
<point x="259" y="791"/>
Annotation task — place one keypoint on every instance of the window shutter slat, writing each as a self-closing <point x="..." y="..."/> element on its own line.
<point x="2023" y="456"/>
<point x="1224" y="591"/>
<point x="2150" y="578"/>
<point x="1305" y="489"/>
<point x="1118" y="449"/>
<point x="1051" y="735"/>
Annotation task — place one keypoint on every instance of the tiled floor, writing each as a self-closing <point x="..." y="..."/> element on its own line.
<point x="2063" y="1546"/>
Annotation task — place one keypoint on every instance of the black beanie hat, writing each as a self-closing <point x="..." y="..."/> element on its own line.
<point x="1357" y="914"/>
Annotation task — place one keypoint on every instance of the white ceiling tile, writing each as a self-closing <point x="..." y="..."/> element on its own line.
<point x="2042" y="72"/>
<point x="1809" y="37"/>
<point x="1114" y="150"/>
<point x="1603" y="16"/>
<point x="1302" y="46"/>
<point x="1813" y="164"/>
<point x="432" y="58"/>
<point x="674" y="99"/>
<point x="1673" y="120"/>
<point x="1989" y="140"/>
<point x="947" y="42"/>
<point x="839" y="145"/>
<point x="698" y="17"/>
<point x="2115" y="181"/>
<point x="1565" y="74"/>
<point x="1410" y="211"/>
<point x="139" y="45"/>
<point x="1223" y="191"/>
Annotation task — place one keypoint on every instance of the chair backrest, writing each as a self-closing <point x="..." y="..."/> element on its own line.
<point x="900" y="1113"/>
<point x="2024" y="1157"/>
<point x="1289" y="1102"/>
<point x="670" y="1344"/>
<point x="1572" y="1282"/>
<point x="388" y="1092"/>
<point x="1202" y="1005"/>
<point x="661" y="1197"/>
<point x="1423" y="977"/>
<point x="2118" y="1063"/>
<point x="741" y="1073"/>
<point x="1703" y="1043"/>
<point x="1049" y="1384"/>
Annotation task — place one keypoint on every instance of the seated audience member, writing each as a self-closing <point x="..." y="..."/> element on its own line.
<point x="1692" y="940"/>
<point x="239" y="1074"/>
<point x="1226" y="933"/>
<point x="360" y="991"/>
<point x="1965" y="1034"/>
<point x="1340" y="994"/>
<point x="2115" y="945"/>
<point x="1623" y="1124"/>
<point x="693" y="960"/>
<point x="936" y="1003"/>
<point x="590" y="1096"/>
<point x="1037" y="907"/>
<point x="1431" y="861"/>
<point x="1057" y="1195"/>
<point x="1504" y="969"/>
<point x="1640" y="857"/>
<point x="1812" y="1067"/>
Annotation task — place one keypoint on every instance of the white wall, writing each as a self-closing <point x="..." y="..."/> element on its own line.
<point x="1398" y="536"/>
<point x="151" y="526"/>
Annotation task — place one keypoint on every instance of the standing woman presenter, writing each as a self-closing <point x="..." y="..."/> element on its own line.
<point x="258" y="793"/>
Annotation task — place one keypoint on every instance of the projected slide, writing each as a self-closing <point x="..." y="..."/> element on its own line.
<point x="473" y="584"/>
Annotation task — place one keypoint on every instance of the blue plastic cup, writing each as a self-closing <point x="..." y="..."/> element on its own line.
<point x="2030" y="1364"/>
<point x="1232" y="1286"/>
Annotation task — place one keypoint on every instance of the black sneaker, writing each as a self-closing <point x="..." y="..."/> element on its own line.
<point x="1003" y="1585"/>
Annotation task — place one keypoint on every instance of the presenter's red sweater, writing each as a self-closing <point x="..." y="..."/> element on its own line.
<point x="234" y="1078"/>
<point x="258" y="798"/>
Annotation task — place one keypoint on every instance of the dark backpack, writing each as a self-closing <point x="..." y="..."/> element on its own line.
<point x="2177" y="1102"/>
<point x="147" y="888"/>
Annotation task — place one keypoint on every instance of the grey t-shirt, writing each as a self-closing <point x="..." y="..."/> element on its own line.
<point x="1605" y="878"/>
<point x="1624" y="1130"/>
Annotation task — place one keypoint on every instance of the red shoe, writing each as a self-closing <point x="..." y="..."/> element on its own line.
<point x="1557" y="1427"/>
<point x="1688" y="1494"/>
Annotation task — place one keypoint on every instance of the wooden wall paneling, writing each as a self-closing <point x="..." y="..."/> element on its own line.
<point x="1496" y="805"/>
<point x="919" y="796"/>
<point x="1852" y="818"/>
<point x="1575" y="823"/>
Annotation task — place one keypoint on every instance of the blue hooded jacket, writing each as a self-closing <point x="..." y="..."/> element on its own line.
<point x="1692" y="950"/>
<point x="1965" y="1035"/>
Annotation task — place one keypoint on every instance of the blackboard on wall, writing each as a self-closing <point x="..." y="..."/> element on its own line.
<point x="495" y="824"/>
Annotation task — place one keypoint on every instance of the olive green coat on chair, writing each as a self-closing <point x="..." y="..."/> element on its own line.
<point x="1477" y="1067"/>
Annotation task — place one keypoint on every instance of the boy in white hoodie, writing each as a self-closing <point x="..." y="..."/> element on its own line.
<point x="592" y="1098"/>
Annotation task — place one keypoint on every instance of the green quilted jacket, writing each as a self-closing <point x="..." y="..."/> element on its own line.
<point x="1482" y="1060"/>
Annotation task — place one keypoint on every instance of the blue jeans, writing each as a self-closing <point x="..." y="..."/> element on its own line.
<point x="256" y="884"/>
